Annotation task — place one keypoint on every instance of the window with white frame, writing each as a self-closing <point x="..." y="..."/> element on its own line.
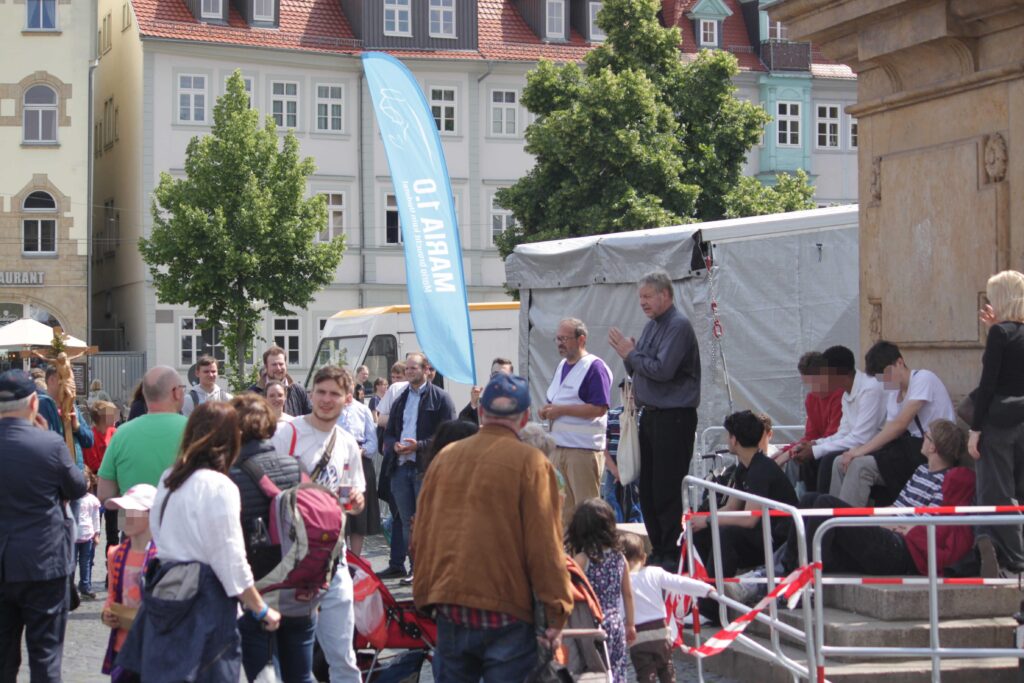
<point x="108" y="123"/>
<point x="284" y="103"/>
<point x="263" y="10"/>
<point x="787" y="124"/>
<point x="126" y="14"/>
<point x="195" y="341"/>
<point x="329" y="108"/>
<point x="504" y="112"/>
<point x="708" y="32"/>
<point x="396" y="18"/>
<point x="442" y="106"/>
<point x="42" y="15"/>
<point x="776" y="30"/>
<point x="211" y="9"/>
<point x="39" y="227"/>
<point x="392" y="223"/>
<point x="191" y="98"/>
<point x="39" y="124"/>
<point x="106" y="37"/>
<point x="442" y="18"/>
<point x="501" y="220"/>
<point x="597" y="33"/>
<point x="555" y="19"/>
<point x="827" y="124"/>
<point x="853" y="132"/>
<point x="287" y="336"/>
<point x="335" y="217"/>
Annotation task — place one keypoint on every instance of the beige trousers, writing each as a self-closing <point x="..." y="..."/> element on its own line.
<point x="582" y="470"/>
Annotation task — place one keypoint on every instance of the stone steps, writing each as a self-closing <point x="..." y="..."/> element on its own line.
<point x="881" y="616"/>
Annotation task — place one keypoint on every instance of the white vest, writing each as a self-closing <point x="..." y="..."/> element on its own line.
<point x="575" y="432"/>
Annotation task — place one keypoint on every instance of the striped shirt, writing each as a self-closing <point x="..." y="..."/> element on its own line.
<point x="923" y="490"/>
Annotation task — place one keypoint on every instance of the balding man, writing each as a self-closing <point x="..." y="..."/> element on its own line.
<point x="143" y="448"/>
<point x="577" y="408"/>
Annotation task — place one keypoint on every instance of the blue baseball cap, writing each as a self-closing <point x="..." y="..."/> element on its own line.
<point x="15" y="385"/>
<point x="506" y="395"/>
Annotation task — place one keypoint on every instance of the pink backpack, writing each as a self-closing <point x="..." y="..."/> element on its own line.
<point x="307" y="521"/>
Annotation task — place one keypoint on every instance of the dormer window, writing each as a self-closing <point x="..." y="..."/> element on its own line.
<point x="442" y="18"/>
<point x="396" y="18"/>
<point x="263" y="10"/>
<point x="555" y="25"/>
<point x="708" y="33"/>
<point x="597" y="33"/>
<point x="212" y="9"/>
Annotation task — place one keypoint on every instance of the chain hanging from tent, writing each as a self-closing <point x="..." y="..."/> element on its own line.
<point x="717" y="330"/>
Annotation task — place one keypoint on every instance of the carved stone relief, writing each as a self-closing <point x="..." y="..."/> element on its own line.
<point x="996" y="156"/>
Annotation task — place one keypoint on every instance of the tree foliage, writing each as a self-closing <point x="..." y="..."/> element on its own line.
<point x="235" y="237"/>
<point x="751" y="198"/>
<point x="635" y="138"/>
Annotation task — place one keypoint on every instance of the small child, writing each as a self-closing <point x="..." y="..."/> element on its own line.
<point x="88" y="536"/>
<point x="651" y="652"/>
<point x="593" y="540"/>
<point x="126" y="565"/>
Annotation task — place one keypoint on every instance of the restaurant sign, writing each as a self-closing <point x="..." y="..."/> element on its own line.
<point x="22" y="278"/>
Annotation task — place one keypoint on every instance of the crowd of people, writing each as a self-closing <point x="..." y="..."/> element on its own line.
<point x="194" y="489"/>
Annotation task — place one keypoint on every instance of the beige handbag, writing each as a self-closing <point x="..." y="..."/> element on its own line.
<point x="628" y="456"/>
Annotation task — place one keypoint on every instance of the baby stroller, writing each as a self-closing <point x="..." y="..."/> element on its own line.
<point x="385" y="623"/>
<point x="583" y="655"/>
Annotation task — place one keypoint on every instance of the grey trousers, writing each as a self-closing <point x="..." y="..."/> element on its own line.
<point x="1000" y="473"/>
<point x="854" y="485"/>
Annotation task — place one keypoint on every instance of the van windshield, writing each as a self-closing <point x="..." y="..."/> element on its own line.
<point x="340" y="351"/>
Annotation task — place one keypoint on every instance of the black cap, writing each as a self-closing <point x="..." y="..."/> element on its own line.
<point x="15" y="385"/>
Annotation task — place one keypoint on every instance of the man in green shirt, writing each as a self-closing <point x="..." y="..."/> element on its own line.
<point x="142" y="449"/>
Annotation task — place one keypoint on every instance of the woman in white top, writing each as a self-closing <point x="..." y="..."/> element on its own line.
<point x="357" y="420"/>
<point x="197" y="509"/>
<point x="276" y="394"/>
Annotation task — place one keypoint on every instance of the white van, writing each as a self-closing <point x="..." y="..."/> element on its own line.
<point x="377" y="337"/>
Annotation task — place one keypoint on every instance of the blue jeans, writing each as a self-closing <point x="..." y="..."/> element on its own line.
<point x="502" y="655"/>
<point x="398" y="547"/>
<point x="336" y="625"/>
<point x="405" y="488"/>
<point x="85" y="552"/>
<point x="291" y="647"/>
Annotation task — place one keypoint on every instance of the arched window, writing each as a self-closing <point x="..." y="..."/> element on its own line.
<point x="39" y="230"/>
<point x="40" y="114"/>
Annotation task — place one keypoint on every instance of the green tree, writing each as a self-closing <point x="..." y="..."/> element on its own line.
<point x="235" y="237"/>
<point x="637" y="138"/>
<point x="751" y="198"/>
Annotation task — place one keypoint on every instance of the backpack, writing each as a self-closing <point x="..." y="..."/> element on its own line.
<point x="308" y="524"/>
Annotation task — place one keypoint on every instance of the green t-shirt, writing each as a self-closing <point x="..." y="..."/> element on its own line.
<point x="142" y="449"/>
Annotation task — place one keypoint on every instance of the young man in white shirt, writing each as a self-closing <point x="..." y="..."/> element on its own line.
<point x="308" y="438"/>
<point x="914" y="399"/>
<point x="863" y="415"/>
<point x="206" y="389"/>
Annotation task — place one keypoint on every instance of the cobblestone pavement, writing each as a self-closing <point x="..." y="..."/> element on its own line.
<point x="86" y="638"/>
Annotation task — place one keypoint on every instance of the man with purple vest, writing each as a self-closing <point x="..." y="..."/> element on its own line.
<point x="577" y="408"/>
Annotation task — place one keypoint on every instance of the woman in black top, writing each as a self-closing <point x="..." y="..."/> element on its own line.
<point x="997" y="430"/>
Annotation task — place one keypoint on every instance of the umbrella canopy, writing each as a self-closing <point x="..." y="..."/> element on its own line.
<point x="28" y="332"/>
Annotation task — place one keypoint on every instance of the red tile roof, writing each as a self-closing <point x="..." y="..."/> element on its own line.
<point x="321" y="26"/>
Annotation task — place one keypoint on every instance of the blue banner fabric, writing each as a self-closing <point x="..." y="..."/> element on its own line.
<point x="430" y="236"/>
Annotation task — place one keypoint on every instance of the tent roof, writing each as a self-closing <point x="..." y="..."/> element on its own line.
<point x="582" y="261"/>
<point x="29" y="332"/>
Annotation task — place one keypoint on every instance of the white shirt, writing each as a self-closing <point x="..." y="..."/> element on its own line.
<point x="648" y="584"/>
<point x="390" y="396"/>
<point x="309" y="446"/>
<point x="203" y="523"/>
<point x="863" y="417"/>
<point x="925" y="386"/>
<point x="88" y="517"/>
<point x="357" y="420"/>
<point x="217" y="394"/>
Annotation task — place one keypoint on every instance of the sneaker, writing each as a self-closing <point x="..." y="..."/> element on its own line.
<point x="391" y="573"/>
<point x="748" y="593"/>
<point x="989" y="561"/>
<point x="87" y="596"/>
<point x="407" y="581"/>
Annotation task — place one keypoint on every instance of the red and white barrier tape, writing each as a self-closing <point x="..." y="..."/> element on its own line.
<point x="869" y="512"/>
<point x="885" y="581"/>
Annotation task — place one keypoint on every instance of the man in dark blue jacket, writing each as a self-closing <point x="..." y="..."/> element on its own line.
<point x="37" y="479"/>
<point x="412" y="422"/>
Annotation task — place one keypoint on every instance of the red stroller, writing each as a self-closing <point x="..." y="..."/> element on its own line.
<point x="385" y="623"/>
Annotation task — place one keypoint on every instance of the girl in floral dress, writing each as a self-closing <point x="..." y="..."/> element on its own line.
<point x="593" y="540"/>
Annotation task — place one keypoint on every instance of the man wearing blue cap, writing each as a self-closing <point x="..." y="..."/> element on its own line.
<point x="487" y="540"/>
<point x="36" y="479"/>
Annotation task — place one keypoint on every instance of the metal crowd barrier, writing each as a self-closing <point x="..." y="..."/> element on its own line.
<point x="935" y="651"/>
<point x="798" y="669"/>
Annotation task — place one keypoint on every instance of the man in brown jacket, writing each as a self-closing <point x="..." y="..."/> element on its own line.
<point x="487" y="540"/>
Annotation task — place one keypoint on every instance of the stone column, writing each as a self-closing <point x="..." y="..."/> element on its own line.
<point x="940" y="107"/>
